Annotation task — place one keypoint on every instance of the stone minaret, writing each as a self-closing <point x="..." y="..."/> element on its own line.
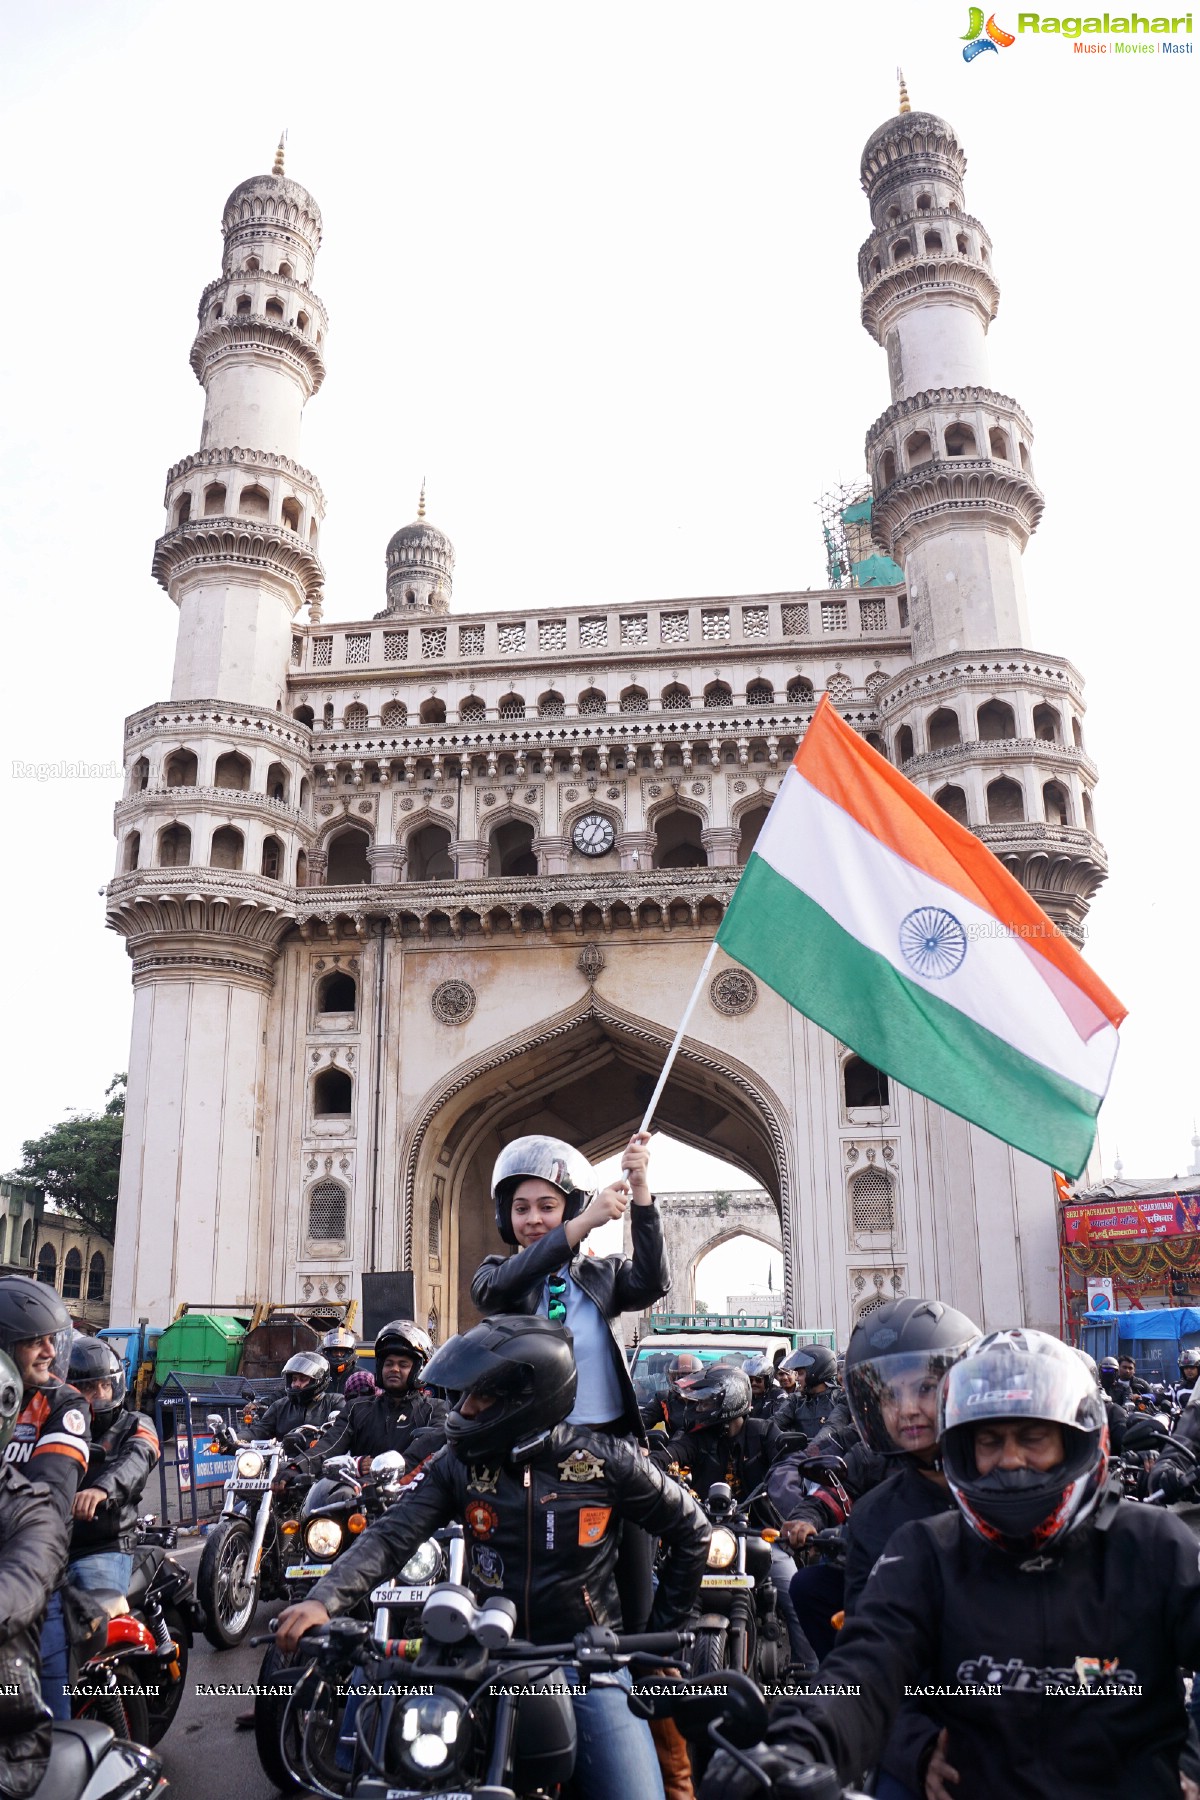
<point x="991" y="729"/>
<point x="215" y="827"/>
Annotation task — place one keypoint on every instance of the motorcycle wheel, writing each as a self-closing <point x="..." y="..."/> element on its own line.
<point x="279" y="1733"/>
<point x="164" y="1704"/>
<point x="711" y="1649"/>
<point x="742" y="1643"/>
<point x="227" y="1589"/>
<point x="125" y="1714"/>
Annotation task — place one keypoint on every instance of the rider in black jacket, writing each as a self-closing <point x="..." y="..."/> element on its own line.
<point x="33" y="1554"/>
<point x="307" y="1400"/>
<point x="400" y="1417"/>
<point x="541" y="1503"/>
<point x="124" y="1450"/>
<point x="817" y="1393"/>
<point x="1047" y="1618"/>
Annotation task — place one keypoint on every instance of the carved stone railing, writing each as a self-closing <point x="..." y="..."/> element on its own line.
<point x="247" y="331"/>
<point x="957" y="485"/>
<point x="239" y="458"/>
<point x="192" y="718"/>
<point x="944" y="400"/>
<point x="998" y="750"/>
<point x="199" y="543"/>
<point x="928" y="274"/>
<point x="223" y="798"/>
<point x="1009" y="669"/>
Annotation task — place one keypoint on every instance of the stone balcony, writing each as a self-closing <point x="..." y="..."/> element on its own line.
<point x="1001" y="750"/>
<point x="168" y="799"/>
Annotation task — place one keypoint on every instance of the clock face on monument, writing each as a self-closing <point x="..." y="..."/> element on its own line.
<point x="593" y="834"/>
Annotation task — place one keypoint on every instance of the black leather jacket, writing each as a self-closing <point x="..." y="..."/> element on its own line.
<point x="710" y="1456"/>
<point x="119" y="1463"/>
<point x="381" y="1422"/>
<point x="33" y="1556"/>
<point x="617" y="1284"/>
<point x="544" y="1532"/>
<point x="290" y="1410"/>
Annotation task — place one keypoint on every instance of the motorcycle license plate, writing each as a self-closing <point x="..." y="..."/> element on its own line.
<point x="302" y="1570"/>
<point x="241" y="1486"/>
<point x="404" y="1596"/>
<point x="727" y="1581"/>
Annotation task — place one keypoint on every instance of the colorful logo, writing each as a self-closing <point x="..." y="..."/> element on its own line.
<point x="976" y="43"/>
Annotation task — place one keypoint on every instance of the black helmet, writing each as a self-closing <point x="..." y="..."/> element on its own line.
<point x="339" y="1347"/>
<point x="760" y="1368"/>
<point x="816" y="1362"/>
<point x="522" y="1362"/>
<point x="720" y="1395"/>
<point x="307" y="1362"/>
<point x="30" y="1309"/>
<point x="1011" y="1376"/>
<point x="92" y="1359"/>
<point x="1189" y="1358"/>
<point x="894" y="1352"/>
<point x="540" y="1158"/>
<point x="403" y="1337"/>
<point x="12" y="1399"/>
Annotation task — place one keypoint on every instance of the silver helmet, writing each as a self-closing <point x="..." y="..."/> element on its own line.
<point x="544" y="1159"/>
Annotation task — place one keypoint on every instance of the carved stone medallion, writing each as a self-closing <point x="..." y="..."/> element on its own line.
<point x="452" y="1002"/>
<point x="733" y="991"/>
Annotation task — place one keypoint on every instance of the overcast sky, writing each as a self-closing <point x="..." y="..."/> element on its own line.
<point x="592" y="271"/>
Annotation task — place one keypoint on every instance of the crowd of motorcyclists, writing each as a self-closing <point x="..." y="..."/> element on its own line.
<point x="965" y="1537"/>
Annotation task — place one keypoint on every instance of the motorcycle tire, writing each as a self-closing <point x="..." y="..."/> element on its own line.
<point x="226" y="1553"/>
<point x="711" y="1649"/>
<point x="125" y="1714"/>
<point x="164" y="1704"/>
<point x="272" y="1720"/>
<point x="742" y="1643"/>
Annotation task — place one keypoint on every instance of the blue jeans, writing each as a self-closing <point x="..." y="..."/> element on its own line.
<point x="111" y="1569"/>
<point x="56" y="1671"/>
<point x="616" y="1753"/>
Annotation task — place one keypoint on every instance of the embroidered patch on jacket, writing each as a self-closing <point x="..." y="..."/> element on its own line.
<point x="74" y="1421"/>
<point x="549" y="1530"/>
<point x="483" y="1480"/>
<point x="593" y="1523"/>
<point x="581" y="1465"/>
<point x="482" y="1520"/>
<point x="487" y="1566"/>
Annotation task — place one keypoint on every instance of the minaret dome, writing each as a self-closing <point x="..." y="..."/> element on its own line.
<point x="420" y="567"/>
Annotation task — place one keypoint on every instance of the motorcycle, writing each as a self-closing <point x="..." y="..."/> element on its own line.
<point x="740" y="1626"/>
<point x="109" y="1652"/>
<point x="242" y="1561"/>
<point x="339" y="1505"/>
<point x="162" y="1596"/>
<point x="87" y="1762"/>
<point x="395" y="1608"/>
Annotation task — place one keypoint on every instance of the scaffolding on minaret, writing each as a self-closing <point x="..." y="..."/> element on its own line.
<point x="851" y="556"/>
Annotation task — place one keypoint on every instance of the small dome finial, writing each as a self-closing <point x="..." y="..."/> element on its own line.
<point x="421" y="501"/>
<point x="905" y="103"/>
<point x="278" y="165"/>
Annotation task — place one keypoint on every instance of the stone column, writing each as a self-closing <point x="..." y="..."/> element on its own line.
<point x="636" y="849"/>
<point x="721" y="843"/>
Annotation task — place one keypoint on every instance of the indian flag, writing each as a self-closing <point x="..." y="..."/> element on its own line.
<point x="876" y="915"/>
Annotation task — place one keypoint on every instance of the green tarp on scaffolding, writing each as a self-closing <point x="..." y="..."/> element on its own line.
<point x="877" y="571"/>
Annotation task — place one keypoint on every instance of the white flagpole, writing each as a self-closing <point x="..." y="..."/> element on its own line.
<point x="656" y="1096"/>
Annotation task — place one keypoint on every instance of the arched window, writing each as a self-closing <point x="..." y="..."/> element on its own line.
<point x="960" y="440"/>
<point x="918" y="449"/>
<point x="718" y="693"/>
<point x="933" y="243"/>
<point x="901" y="250"/>
<point x="255" y="503"/>
<point x="510" y="849"/>
<point x="512" y="706"/>
<point x="635" y="700"/>
<point x="800" y="691"/>
<point x="27" y="1241"/>
<point x="592" y="704"/>
<point x="1026" y="465"/>
<point x="301" y="868"/>
<point x="551" y="706"/>
<point x="289" y="512"/>
<point x="304" y="715"/>
<point x="887" y="468"/>
<point x="893" y="215"/>
<point x="47" y="1265"/>
<point x="924" y="203"/>
<point x="181" y="768"/>
<point x="871" y="1201"/>
<point x="214" y="500"/>
<point x="961" y="244"/>
<point x="433" y="712"/>
<point x="863" y="1084"/>
<point x="1005" y="802"/>
<point x="278" y="782"/>
<point x="272" y="859"/>
<point x="356" y="717"/>
<point x="877" y="742"/>
<point x="232" y="771"/>
<point x="228" y="848"/>
<point x="333" y="1094"/>
<point x="285" y="270"/>
<point x="429" y="857"/>
<point x="1088" y="818"/>
<point x="473" y="710"/>
<point x="1077" y="734"/>
<point x="1047" y="724"/>
<point x="760" y="693"/>
<point x="327" y="1212"/>
<point x="839" y="687"/>
<point x="394" y="716"/>
<point x="72" y="1286"/>
<point x="302" y="320"/>
<point x="251" y="265"/>
<point x="174" y="847"/>
<point x="133" y="850"/>
<point x="749" y="826"/>
<point x="904" y="744"/>
<point x="183" y="509"/>
<point x="677" y="842"/>
<point x="942" y="729"/>
<point x="96" y="1274"/>
<point x="337" y="992"/>
<point x="274" y="310"/>
<point x="675" y="698"/>
<point x="997" y="721"/>
<point x="998" y="444"/>
<point x="347" y="865"/>
<point x="139" y="776"/>
<point x="243" y="306"/>
<point x="952" y="800"/>
<point x="327" y="715"/>
<point x="1056" y="803"/>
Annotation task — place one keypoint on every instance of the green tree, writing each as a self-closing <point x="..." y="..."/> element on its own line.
<point x="78" y="1162"/>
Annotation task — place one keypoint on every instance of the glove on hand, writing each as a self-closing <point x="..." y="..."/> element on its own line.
<point x="787" y="1774"/>
<point x="1170" y="1481"/>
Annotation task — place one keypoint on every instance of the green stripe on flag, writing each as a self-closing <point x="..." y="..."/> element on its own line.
<point x="776" y="930"/>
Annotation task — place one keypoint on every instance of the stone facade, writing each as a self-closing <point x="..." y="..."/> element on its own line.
<point x="396" y="890"/>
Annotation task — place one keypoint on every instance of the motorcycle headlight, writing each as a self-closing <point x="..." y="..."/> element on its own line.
<point x="423" y="1564"/>
<point x="323" y="1538"/>
<point x="250" y="1465"/>
<point x="722" y="1549"/>
<point x="429" y="1731"/>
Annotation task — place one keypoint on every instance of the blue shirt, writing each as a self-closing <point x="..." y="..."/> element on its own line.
<point x="598" y="1398"/>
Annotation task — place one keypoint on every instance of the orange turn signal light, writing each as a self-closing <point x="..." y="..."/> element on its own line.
<point x="769" y="1535"/>
<point x="289" y="1528"/>
<point x="356" y="1522"/>
<point x="214" y="1449"/>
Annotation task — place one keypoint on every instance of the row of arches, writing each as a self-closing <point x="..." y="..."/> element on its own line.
<point x="902" y="249"/>
<point x="473" y="709"/>
<point x="995" y="722"/>
<point x="72" y="1273"/>
<point x="1005" y="801"/>
<point x="18" y="1252"/>
<point x="274" y="307"/>
<point x="252" y="502"/>
<point x="957" y="439"/>
<point x="232" y="773"/>
<point x="226" y="850"/>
